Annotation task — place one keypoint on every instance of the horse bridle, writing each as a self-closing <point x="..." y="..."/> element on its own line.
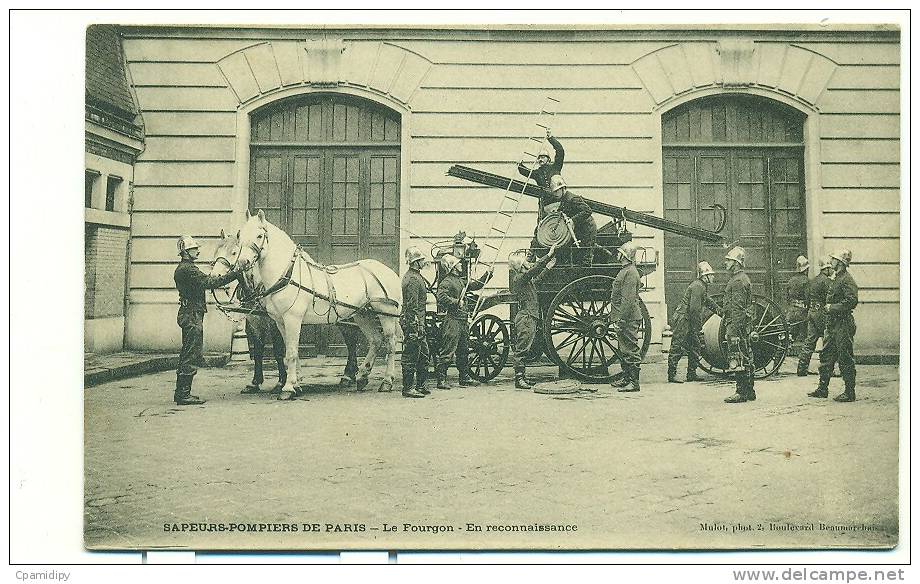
<point x="226" y="262"/>
<point x="257" y="250"/>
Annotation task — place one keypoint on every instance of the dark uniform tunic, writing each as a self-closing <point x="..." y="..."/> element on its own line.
<point x="688" y="322"/>
<point x="797" y="305"/>
<point x="575" y="208"/>
<point x="842" y="297"/>
<point x="527" y="318"/>
<point x="626" y="313"/>
<point x="543" y="174"/>
<point x="415" y="355"/>
<point x="738" y="307"/>
<point x="191" y="283"/>
<point x="817" y="297"/>
<point x="455" y="328"/>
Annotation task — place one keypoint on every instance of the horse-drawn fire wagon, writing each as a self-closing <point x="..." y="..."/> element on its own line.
<point x="574" y="299"/>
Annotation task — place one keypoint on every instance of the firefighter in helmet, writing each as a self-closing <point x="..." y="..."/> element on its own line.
<point x="545" y="168"/>
<point x="415" y="347"/>
<point x="738" y="306"/>
<point x="842" y="298"/>
<point x="797" y="301"/>
<point x="521" y="279"/>
<point x="455" y="328"/>
<point x="817" y="319"/>
<point x="688" y="322"/>
<point x="626" y="317"/>
<point x="191" y="283"/>
<point x="575" y="208"/>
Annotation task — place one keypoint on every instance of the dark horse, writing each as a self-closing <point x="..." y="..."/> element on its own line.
<point x="261" y="331"/>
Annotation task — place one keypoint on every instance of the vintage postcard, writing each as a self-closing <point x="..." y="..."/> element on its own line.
<point x="570" y="287"/>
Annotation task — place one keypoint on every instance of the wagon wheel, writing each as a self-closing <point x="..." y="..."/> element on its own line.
<point x="576" y="334"/>
<point x="489" y="345"/>
<point x="769" y="341"/>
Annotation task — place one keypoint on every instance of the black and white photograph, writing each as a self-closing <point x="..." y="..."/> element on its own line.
<point x="507" y="287"/>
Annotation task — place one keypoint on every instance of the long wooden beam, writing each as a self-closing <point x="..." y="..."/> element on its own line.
<point x="494" y="180"/>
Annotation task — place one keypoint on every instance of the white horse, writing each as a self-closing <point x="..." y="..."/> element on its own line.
<point x="302" y="291"/>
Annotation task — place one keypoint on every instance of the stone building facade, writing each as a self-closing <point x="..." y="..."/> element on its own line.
<point x="344" y="136"/>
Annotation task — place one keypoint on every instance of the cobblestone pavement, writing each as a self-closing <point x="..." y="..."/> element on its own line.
<point x="668" y="467"/>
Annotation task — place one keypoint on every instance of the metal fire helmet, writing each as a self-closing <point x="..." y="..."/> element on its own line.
<point x="556" y="182"/>
<point x="705" y="269"/>
<point x="825" y="262"/>
<point x="628" y="250"/>
<point x="185" y="243"/>
<point x="844" y="255"/>
<point x="801" y="264"/>
<point x="516" y="259"/>
<point x="414" y="254"/>
<point x="449" y="262"/>
<point x="736" y="254"/>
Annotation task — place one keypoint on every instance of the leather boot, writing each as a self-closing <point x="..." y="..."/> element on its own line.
<point x="408" y="379"/>
<point x="632" y="379"/>
<point x="635" y="377"/>
<point x="441" y="373"/>
<point x="408" y="390"/>
<point x="821" y="391"/>
<point x="623" y="379"/>
<point x="672" y="373"/>
<point x="802" y="370"/>
<point x="691" y="374"/>
<point x="849" y="388"/>
<point x="421" y="376"/>
<point x="741" y="392"/>
<point x="467" y="382"/>
<point x="183" y="395"/>
<point x="179" y="392"/>
<point x="520" y="379"/>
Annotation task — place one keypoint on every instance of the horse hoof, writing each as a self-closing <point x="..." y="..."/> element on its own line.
<point x="277" y="388"/>
<point x="346" y="382"/>
<point x="249" y="389"/>
<point x="362" y="383"/>
<point x="385" y="387"/>
<point x="286" y="395"/>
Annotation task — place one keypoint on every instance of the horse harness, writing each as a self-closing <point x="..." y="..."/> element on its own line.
<point x="288" y="280"/>
<point x="334" y="303"/>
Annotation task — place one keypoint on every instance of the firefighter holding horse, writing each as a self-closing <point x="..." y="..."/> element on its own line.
<point x="191" y="283"/>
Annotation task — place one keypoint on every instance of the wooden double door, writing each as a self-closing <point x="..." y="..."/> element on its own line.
<point x="326" y="170"/>
<point x="742" y="154"/>
<point x="762" y="193"/>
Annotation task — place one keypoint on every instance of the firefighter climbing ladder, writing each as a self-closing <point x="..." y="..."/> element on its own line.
<point x="507" y="208"/>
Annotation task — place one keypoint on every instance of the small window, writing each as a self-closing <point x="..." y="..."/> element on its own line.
<point x="111" y="189"/>
<point x="89" y="186"/>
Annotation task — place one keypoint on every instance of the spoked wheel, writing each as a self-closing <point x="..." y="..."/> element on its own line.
<point x="769" y="341"/>
<point x="577" y="335"/>
<point x="489" y="346"/>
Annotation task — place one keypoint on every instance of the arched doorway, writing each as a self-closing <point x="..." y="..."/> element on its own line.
<point x="326" y="169"/>
<point x="745" y="153"/>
